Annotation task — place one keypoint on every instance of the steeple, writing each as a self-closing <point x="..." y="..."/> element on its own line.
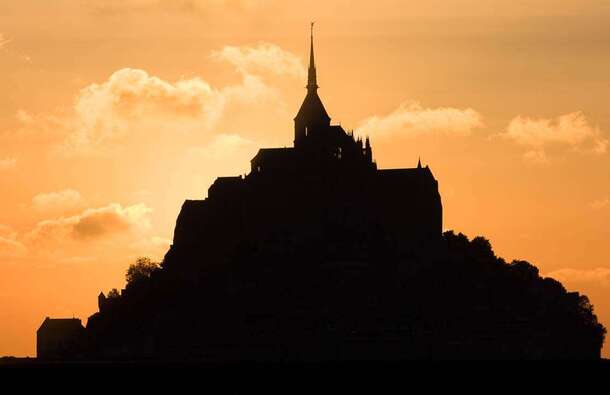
<point x="312" y="118"/>
<point x="312" y="80"/>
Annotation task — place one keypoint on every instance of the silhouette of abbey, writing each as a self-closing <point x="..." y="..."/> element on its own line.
<point x="326" y="186"/>
<point x="318" y="255"/>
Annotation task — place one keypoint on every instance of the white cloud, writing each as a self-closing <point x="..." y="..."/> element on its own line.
<point x="57" y="201"/>
<point x="8" y="163"/>
<point x="571" y="130"/>
<point x="265" y="57"/>
<point x="411" y="119"/>
<point x="600" y="275"/>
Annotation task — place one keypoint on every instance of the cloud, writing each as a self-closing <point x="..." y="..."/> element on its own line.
<point x="600" y="275"/>
<point x="132" y="107"/>
<point x="91" y="224"/>
<point x="134" y="104"/>
<point x="24" y="117"/>
<point x="113" y="7"/>
<point x="10" y="247"/>
<point x="600" y="204"/>
<point x="108" y="111"/>
<point x="411" y="119"/>
<point x="8" y="163"/>
<point x="569" y="130"/>
<point x="57" y="201"/>
<point x="225" y="154"/>
<point x="94" y="235"/>
<point x="3" y="41"/>
<point x="536" y="157"/>
<point x="265" y="57"/>
<point x="154" y="246"/>
<point x="224" y="146"/>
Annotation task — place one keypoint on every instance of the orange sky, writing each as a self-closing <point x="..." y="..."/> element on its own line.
<point x="113" y="112"/>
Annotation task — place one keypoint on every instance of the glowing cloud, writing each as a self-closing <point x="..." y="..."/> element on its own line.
<point x="265" y="57"/>
<point x="572" y="130"/>
<point x="200" y="6"/>
<point x="91" y="224"/>
<point x="411" y="119"/>
<point x="223" y="146"/>
<point x="107" y="111"/>
<point x="8" y="163"/>
<point x="3" y="41"/>
<point x="600" y="204"/>
<point x="536" y="157"/>
<point x="57" y="201"/>
<point x="10" y="247"/>
<point x="132" y="102"/>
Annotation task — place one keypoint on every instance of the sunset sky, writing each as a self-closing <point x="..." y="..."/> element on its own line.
<point x="113" y="112"/>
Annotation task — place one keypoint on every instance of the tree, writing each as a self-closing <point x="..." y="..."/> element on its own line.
<point x="141" y="270"/>
<point x="113" y="294"/>
<point x="482" y="247"/>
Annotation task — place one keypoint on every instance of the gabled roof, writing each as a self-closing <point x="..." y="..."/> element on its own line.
<point x="408" y="172"/>
<point x="61" y="324"/>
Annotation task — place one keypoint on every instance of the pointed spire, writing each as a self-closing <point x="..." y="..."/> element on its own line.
<point x="312" y="80"/>
<point x="419" y="163"/>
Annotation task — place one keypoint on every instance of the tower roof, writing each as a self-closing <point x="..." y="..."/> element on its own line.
<point x="312" y="110"/>
<point x="312" y="79"/>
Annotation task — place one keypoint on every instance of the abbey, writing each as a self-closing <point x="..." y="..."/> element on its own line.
<point x="324" y="191"/>
<point x="317" y="255"/>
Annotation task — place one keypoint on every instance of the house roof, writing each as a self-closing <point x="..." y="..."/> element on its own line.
<point x="61" y="324"/>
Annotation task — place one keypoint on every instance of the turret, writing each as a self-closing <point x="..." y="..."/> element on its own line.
<point x="101" y="301"/>
<point x="368" y="151"/>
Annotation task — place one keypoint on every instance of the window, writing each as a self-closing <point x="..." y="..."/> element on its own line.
<point x="305" y="131"/>
<point x="339" y="153"/>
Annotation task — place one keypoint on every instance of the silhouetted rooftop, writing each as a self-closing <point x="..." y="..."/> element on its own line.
<point x="273" y="153"/>
<point x="312" y="108"/>
<point x="61" y="323"/>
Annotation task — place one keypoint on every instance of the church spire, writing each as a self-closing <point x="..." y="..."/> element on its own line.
<point x="312" y="80"/>
<point x="312" y="116"/>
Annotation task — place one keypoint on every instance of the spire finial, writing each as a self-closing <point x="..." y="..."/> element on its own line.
<point x="419" y="162"/>
<point x="312" y="81"/>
